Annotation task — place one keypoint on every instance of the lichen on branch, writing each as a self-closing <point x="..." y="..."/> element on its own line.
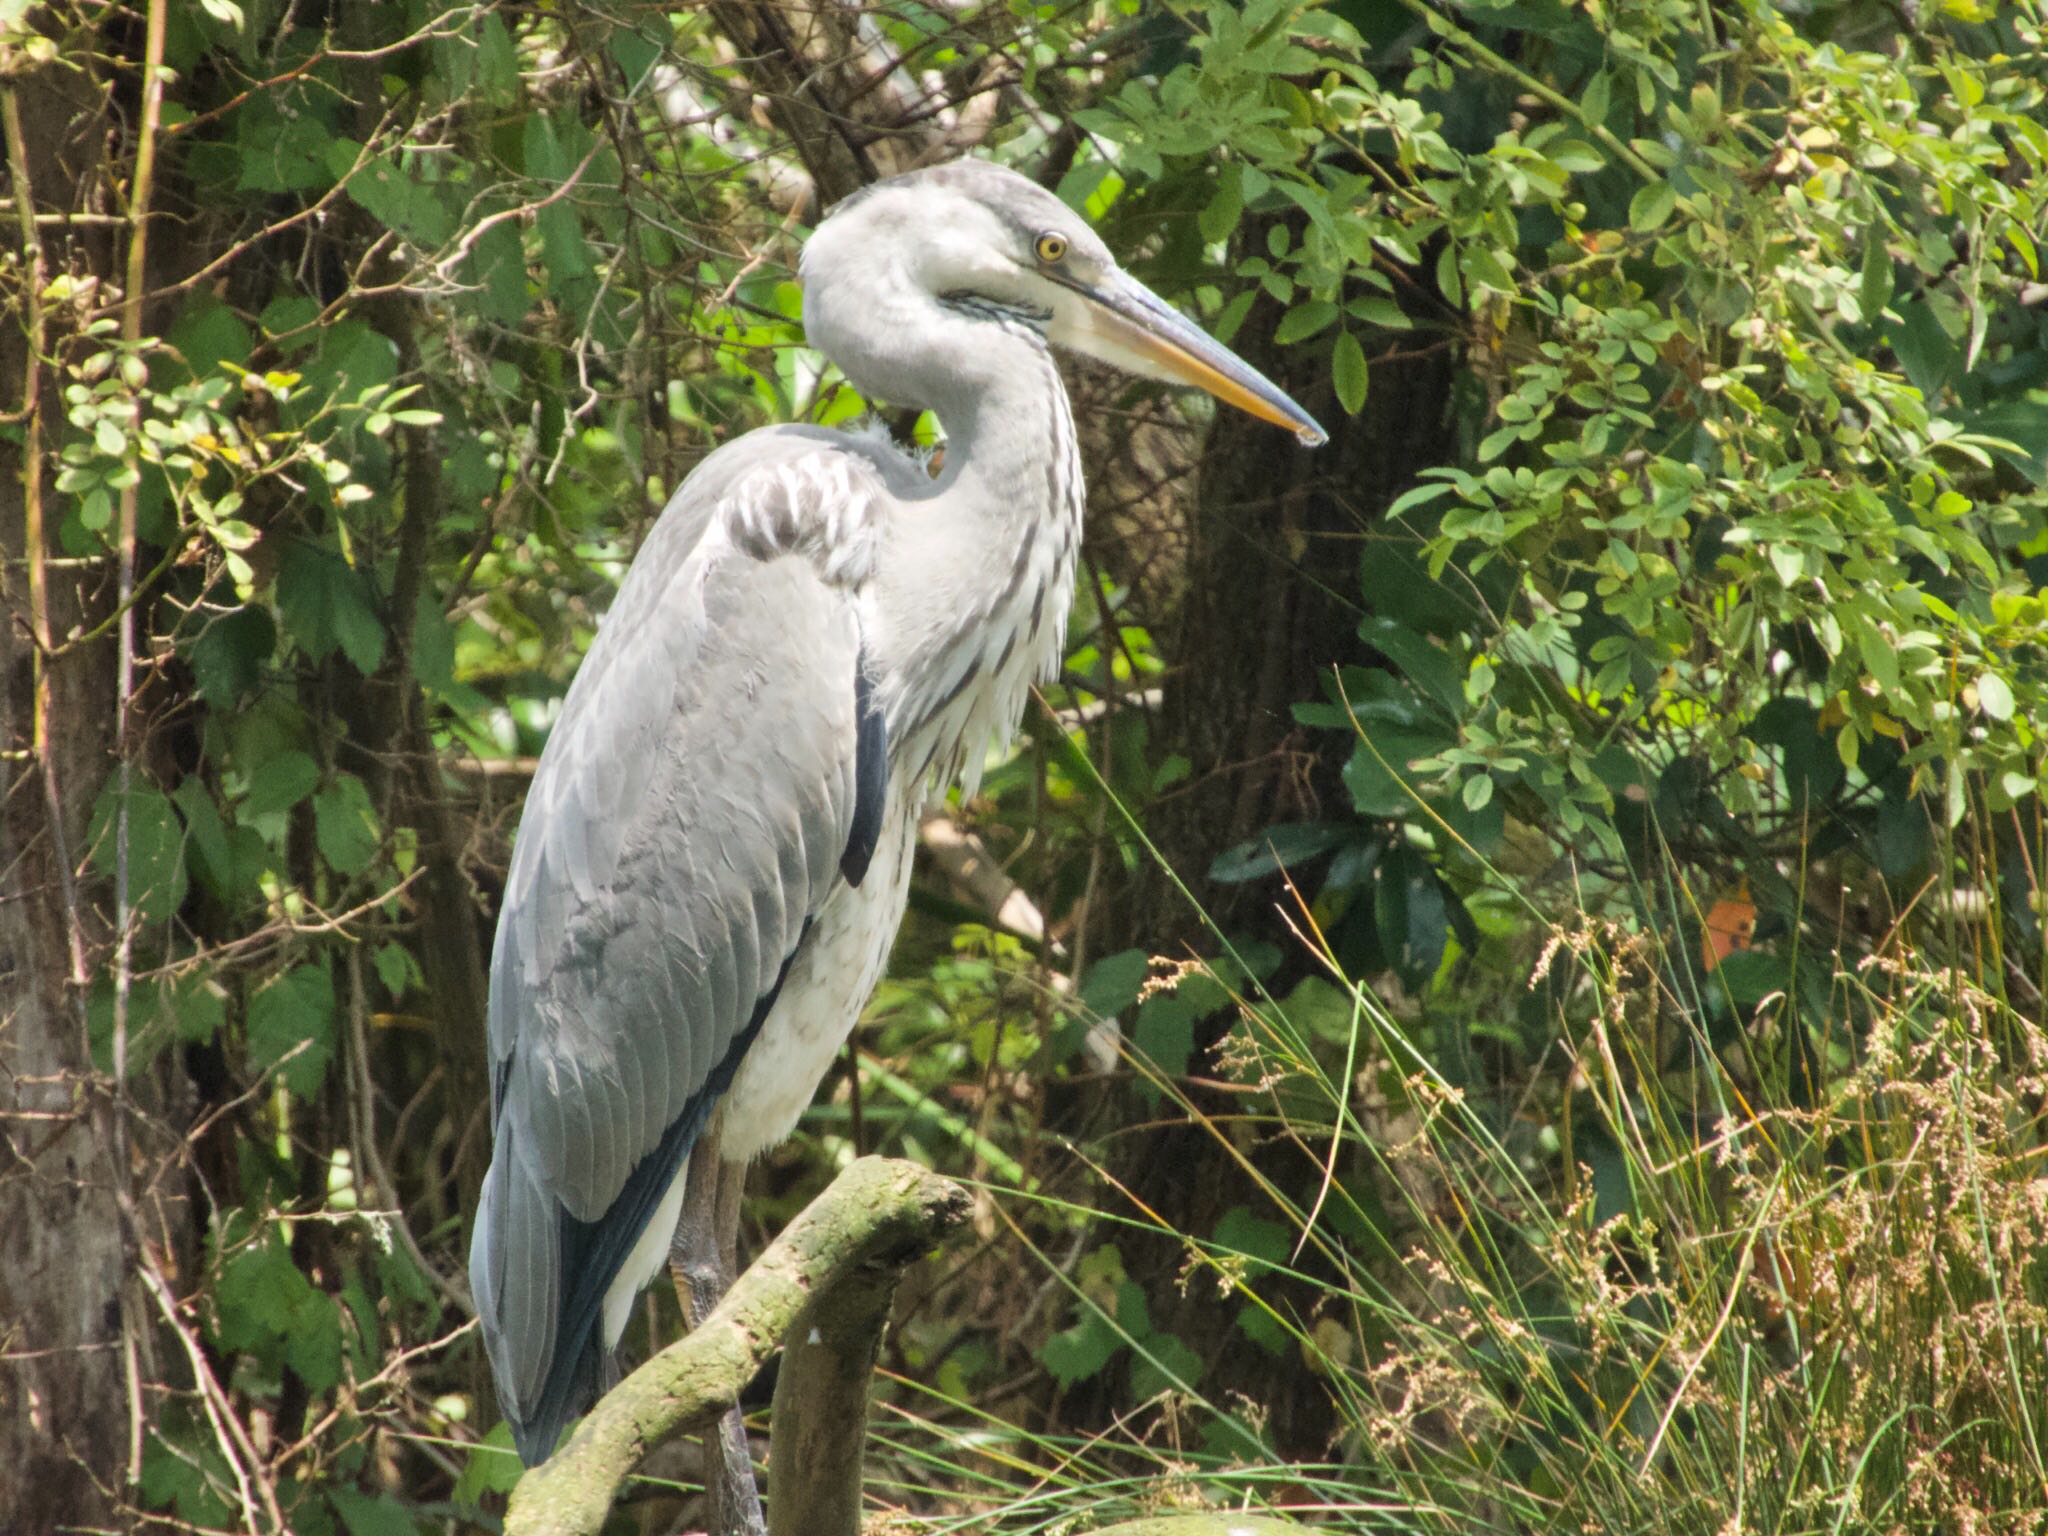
<point x="878" y="1216"/>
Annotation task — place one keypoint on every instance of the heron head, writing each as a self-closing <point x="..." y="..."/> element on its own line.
<point x="988" y="242"/>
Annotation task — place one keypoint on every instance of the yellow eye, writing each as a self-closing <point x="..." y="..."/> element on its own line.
<point x="1051" y="248"/>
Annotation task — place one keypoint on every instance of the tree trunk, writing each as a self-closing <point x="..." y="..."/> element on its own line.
<point x="1271" y="603"/>
<point x="65" y="1433"/>
<point x="63" y="1400"/>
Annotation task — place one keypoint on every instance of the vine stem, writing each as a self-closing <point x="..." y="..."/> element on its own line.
<point x="1444" y="27"/>
<point x="124" y="666"/>
<point x="124" y="682"/>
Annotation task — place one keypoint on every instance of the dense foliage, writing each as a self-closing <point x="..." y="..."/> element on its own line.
<point x="1616" y="1091"/>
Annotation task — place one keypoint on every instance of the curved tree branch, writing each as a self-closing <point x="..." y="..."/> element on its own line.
<point x="875" y="1219"/>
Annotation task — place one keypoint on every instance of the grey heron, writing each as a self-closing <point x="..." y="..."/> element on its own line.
<point x="816" y="635"/>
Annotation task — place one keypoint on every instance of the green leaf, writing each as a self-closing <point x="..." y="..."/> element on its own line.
<point x="1655" y="151"/>
<point x="2018" y="423"/>
<point x="1875" y="289"/>
<point x="1931" y="360"/>
<point x="228" y="656"/>
<point x="1420" y="495"/>
<point x="296" y="1010"/>
<point x="1288" y="845"/>
<point x="345" y="825"/>
<point x="256" y="1294"/>
<point x="1484" y="268"/>
<point x="1447" y="277"/>
<point x="1880" y="660"/>
<point x="1377" y="788"/>
<point x="193" y="1476"/>
<point x="386" y="190"/>
<point x="1745" y="978"/>
<point x="1316" y="1008"/>
<point x="1994" y="696"/>
<point x="493" y="1467"/>
<point x="1077" y="1353"/>
<point x="207" y="334"/>
<point x="1113" y="982"/>
<point x="211" y="858"/>
<point x="1430" y="666"/>
<point x="1304" y="320"/>
<point x="275" y="153"/>
<point x="1594" y="99"/>
<point x="1257" y="1242"/>
<point x="279" y="784"/>
<point x="1374" y="309"/>
<point x="1348" y="370"/>
<point x="497" y="62"/>
<point x="1905" y="837"/>
<point x="156" y="845"/>
<point x="1165" y="1031"/>
<point x="1652" y="205"/>
<point x="552" y="151"/>
<point x="348" y="359"/>
<point x="371" y="1515"/>
<point x="396" y="968"/>
<point x="1218" y="218"/>
<point x="290" y="313"/>
<point x="325" y="605"/>
<point x="1133" y="1315"/>
<point x="1413" y="918"/>
<point x="1263" y="1330"/>
<point x="1576" y="156"/>
<point x="198" y="1005"/>
<point x="635" y="53"/>
<point x="313" y="1346"/>
<point x="1163" y="1364"/>
<point x="497" y="266"/>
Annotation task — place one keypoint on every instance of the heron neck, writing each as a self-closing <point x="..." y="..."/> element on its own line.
<point x="988" y="562"/>
<point x="1011" y="450"/>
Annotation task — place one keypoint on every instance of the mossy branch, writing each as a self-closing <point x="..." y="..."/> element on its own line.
<point x="1206" y="1525"/>
<point x="875" y="1219"/>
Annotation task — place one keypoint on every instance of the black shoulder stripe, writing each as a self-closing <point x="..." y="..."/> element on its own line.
<point x="870" y="776"/>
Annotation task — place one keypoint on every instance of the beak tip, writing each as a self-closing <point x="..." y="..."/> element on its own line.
<point x="1307" y="430"/>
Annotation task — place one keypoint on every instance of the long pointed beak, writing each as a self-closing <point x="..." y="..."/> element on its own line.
<point x="1124" y="323"/>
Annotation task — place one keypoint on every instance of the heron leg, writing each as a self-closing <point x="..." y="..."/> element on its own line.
<point x="702" y="1261"/>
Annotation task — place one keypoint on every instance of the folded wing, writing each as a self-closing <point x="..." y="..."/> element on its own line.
<point x="716" y="770"/>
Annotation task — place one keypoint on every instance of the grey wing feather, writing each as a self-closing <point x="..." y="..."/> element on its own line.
<point x="689" y="815"/>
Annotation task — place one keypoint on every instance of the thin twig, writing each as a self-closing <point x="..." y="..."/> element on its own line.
<point x="372" y="1154"/>
<point x="754" y="262"/>
<point x="232" y="1438"/>
<point x="445" y="266"/>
